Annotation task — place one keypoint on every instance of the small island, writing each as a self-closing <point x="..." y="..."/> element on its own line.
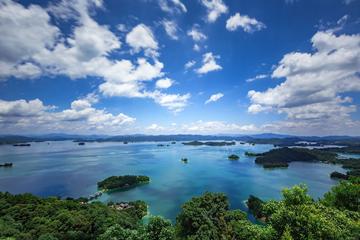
<point x="122" y="182"/>
<point x="198" y="143"/>
<point x="6" y="165"/>
<point x="184" y="160"/>
<point x="251" y="154"/>
<point x="233" y="157"/>
<point x="337" y="175"/>
<point x="22" y="145"/>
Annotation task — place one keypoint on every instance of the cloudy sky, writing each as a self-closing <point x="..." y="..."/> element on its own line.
<point x="180" y="66"/>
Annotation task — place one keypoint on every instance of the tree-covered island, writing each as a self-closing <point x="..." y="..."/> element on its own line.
<point x="233" y="157"/>
<point x="198" y="143"/>
<point x="122" y="182"/>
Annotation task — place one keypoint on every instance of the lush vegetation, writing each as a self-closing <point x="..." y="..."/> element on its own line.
<point x="296" y="217"/>
<point x="28" y="217"/>
<point x="233" y="157"/>
<point x="198" y="143"/>
<point x="119" y="182"/>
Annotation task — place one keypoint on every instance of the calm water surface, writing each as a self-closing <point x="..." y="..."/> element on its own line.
<point x="68" y="170"/>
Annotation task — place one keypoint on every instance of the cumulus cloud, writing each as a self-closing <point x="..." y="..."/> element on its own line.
<point x="247" y="23"/>
<point x="24" y="32"/>
<point x="21" y="115"/>
<point x="315" y="83"/>
<point x="214" y="98"/>
<point x="171" y="28"/>
<point x="142" y="38"/>
<point x="82" y="53"/>
<point x="164" y="83"/>
<point x="214" y="9"/>
<point x="174" y="102"/>
<point x="216" y="127"/>
<point x="196" y="34"/>
<point x="172" y="6"/>
<point x="209" y="64"/>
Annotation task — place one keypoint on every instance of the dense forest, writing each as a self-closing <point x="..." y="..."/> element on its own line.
<point x="296" y="216"/>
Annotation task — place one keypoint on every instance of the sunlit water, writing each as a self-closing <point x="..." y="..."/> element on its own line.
<point x="68" y="170"/>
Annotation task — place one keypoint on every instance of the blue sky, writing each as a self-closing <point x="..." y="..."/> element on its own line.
<point x="180" y="66"/>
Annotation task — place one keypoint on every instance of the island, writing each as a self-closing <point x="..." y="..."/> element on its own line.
<point x="22" y="145"/>
<point x="251" y="154"/>
<point x="233" y="157"/>
<point x="6" y="165"/>
<point x="122" y="182"/>
<point x="198" y="143"/>
<point x="281" y="157"/>
<point x="338" y="175"/>
<point x="184" y="160"/>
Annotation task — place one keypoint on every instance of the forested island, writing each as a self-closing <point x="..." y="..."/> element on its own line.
<point x="198" y="143"/>
<point x="6" y="165"/>
<point x="296" y="216"/>
<point x="121" y="182"/>
<point x="233" y="157"/>
<point x="281" y="157"/>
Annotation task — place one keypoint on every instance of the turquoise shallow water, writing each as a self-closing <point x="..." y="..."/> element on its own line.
<point x="68" y="170"/>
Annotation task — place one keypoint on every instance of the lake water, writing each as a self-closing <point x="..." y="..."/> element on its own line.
<point x="68" y="170"/>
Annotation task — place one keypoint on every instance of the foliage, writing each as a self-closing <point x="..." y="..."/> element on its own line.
<point x="28" y="217"/>
<point x="344" y="196"/>
<point x="295" y="217"/>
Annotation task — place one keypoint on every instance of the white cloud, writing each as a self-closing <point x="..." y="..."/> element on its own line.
<point x="196" y="47"/>
<point x="172" y="6"/>
<point x="21" y="115"/>
<point x="214" y="98"/>
<point x="24" y="32"/>
<point x="257" y="77"/>
<point x="126" y="80"/>
<point x="174" y="102"/>
<point x="247" y="23"/>
<point x="189" y="64"/>
<point x="141" y="38"/>
<point x="209" y="64"/>
<point x="164" y="83"/>
<point x="315" y="83"/>
<point x="22" y="108"/>
<point x="121" y="27"/>
<point x="214" y="8"/>
<point x="217" y="127"/>
<point x="155" y="128"/>
<point x="170" y="28"/>
<point x="84" y="52"/>
<point x="196" y="34"/>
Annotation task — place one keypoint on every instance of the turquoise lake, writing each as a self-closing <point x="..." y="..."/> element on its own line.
<point x="68" y="170"/>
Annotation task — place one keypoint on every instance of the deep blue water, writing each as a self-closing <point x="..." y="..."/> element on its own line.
<point x="68" y="170"/>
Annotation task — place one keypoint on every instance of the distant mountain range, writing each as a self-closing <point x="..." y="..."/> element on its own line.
<point x="255" y="138"/>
